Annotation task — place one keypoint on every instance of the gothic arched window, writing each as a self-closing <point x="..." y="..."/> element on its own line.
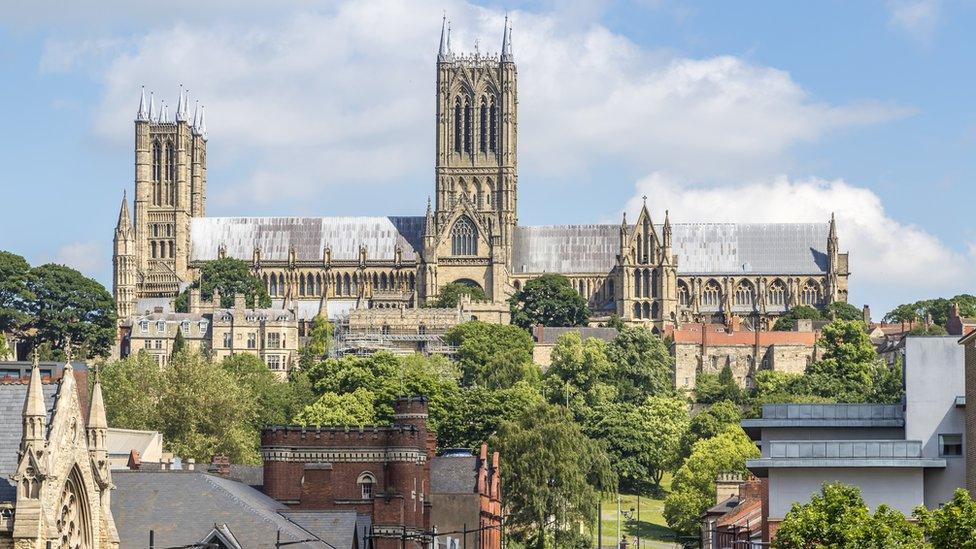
<point x="457" y="124"/>
<point x="637" y="283"/>
<point x="464" y="237"/>
<point x="493" y="126"/>
<point x="711" y="295"/>
<point x="273" y="290"/>
<point x="637" y="310"/>
<point x="684" y="296"/>
<point x="157" y="167"/>
<point x="169" y="187"/>
<point x="467" y="126"/>
<point x="483" y="125"/>
<point x="366" y="482"/>
<point x="776" y="294"/>
<point x="744" y="294"/>
<point x="811" y="294"/>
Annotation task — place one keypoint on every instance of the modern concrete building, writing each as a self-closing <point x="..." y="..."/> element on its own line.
<point x="903" y="455"/>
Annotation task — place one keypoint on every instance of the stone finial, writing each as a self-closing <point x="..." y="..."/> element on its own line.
<point x="34" y="404"/>
<point x="143" y="113"/>
<point x="444" y="51"/>
<point x="153" y="113"/>
<point x="96" y="410"/>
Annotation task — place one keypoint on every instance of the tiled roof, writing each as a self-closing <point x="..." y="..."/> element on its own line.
<point x="12" y="397"/>
<point x="454" y="474"/>
<point x="309" y="236"/>
<point x="181" y="507"/>
<point x="702" y="248"/>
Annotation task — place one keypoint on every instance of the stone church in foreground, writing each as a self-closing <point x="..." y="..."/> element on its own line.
<point x="652" y="273"/>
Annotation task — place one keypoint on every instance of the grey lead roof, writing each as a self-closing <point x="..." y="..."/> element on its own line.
<point x="12" y="428"/>
<point x="275" y="236"/>
<point x="182" y="507"/>
<point x="454" y="474"/>
<point x="702" y="248"/>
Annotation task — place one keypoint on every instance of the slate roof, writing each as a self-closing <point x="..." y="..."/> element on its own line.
<point x="454" y="474"/>
<point x="338" y="528"/>
<point x="275" y="236"/>
<point x="12" y="397"/>
<point x="183" y="506"/>
<point x="702" y="248"/>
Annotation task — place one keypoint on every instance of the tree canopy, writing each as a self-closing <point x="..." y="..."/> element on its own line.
<point x="553" y="474"/>
<point x="451" y="293"/>
<point x="787" y="322"/>
<point x="953" y="524"/>
<point x="230" y="276"/>
<point x="693" y="486"/>
<point x="643" y="441"/>
<point x="709" y="423"/>
<point x="14" y="295"/>
<point x="493" y="355"/>
<point x="355" y="408"/>
<point x="644" y="365"/>
<point x="938" y="308"/>
<point x="64" y="304"/>
<point x="838" y="517"/>
<point x="549" y="300"/>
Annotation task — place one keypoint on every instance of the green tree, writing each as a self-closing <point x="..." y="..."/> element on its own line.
<point x="275" y="400"/>
<point x="644" y="366"/>
<point x="937" y="309"/>
<point x="389" y="377"/>
<point x="14" y="294"/>
<point x="229" y="276"/>
<point x="709" y="423"/>
<point x="451" y="293"/>
<point x="923" y="330"/>
<point x="787" y="322"/>
<point x="693" y="486"/>
<point x="838" y="517"/>
<point x="849" y="364"/>
<point x="952" y="525"/>
<point x="199" y="408"/>
<point x="711" y="388"/>
<point x="548" y="300"/>
<point x="906" y="313"/>
<point x="493" y="355"/>
<point x="355" y="408"/>
<point x="474" y="413"/>
<point x="132" y="389"/>
<point x="67" y="305"/>
<point x="841" y="310"/>
<point x="553" y="474"/>
<point x="318" y="342"/>
<point x="773" y="387"/>
<point x="643" y="441"/>
<point x="203" y="411"/>
<point x="179" y="343"/>
<point x="615" y="322"/>
<point x="579" y="374"/>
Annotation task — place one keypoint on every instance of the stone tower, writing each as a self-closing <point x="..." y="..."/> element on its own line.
<point x="648" y="269"/>
<point x="170" y="181"/>
<point x="476" y="181"/>
<point x="124" y="263"/>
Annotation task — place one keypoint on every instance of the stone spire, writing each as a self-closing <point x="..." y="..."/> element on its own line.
<point x="35" y="410"/>
<point x="429" y="228"/>
<point x="667" y="230"/>
<point x="449" y="50"/>
<point x="153" y="113"/>
<point x="143" y="112"/>
<point x="164" y="113"/>
<point x="202" y="125"/>
<point x="507" y="43"/>
<point x="181" y="114"/>
<point x="96" y="411"/>
<point x="125" y="221"/>
<point x="196" y="117"/>
<point x="444" y="52"/>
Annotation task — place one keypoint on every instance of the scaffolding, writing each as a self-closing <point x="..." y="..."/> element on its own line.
<point x="374" y="339"/>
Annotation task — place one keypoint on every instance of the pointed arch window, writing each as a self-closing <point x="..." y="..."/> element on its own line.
<point x="744" y="295"/>
<point x="464" y="237"/>
<point x="157" y="167"/>
<point x="457" y="125"/>
<point x="467" y="126"/>
<point x="711" y="295"/>
<point x="170" y="173"/>
<point x="811" y="294"/>
<point x="776" y="294"/>
<point x="483" y="125"/>
<point x="493" y="126"/>
<point x="684" y="297"/>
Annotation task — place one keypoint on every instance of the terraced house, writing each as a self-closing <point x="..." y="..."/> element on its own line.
<point x="651" y="273"/>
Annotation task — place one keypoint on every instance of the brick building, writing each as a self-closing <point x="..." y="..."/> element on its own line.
<point x="382" y="472"/>
<point x="466" y="499"/>
<point x="708" y="348"/>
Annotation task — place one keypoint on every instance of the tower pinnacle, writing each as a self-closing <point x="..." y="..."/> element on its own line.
<point x="444" y="52"/>
<point x="153" y="113"/>
<point x="143" y="112"/>
<point x="125" y="222"/>
<point x="181" y="106"/>
<point x="507" y="42"/>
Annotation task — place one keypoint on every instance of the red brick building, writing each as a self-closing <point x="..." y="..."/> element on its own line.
<point x="382" y="472"/>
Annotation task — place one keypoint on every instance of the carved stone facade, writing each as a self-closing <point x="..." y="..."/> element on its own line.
<point x="654" y="275"/>
<point x="59" y="490"/>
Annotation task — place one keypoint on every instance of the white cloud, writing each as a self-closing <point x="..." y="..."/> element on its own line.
<point x="889" y="259"/>
<point x="918" y="18"/>
<point x="90" y="258"/>
<point x="317" y="98"/>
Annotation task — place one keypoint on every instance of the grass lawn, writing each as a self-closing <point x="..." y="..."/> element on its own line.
<point x="652" y="528"/>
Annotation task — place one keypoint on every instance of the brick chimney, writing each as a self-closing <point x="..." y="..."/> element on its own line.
<point x="195" y="300"/>
<point x="866" y="315"/>
<point x="220" y="464"/>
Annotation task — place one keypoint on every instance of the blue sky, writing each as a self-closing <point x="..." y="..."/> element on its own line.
<point x="718" y="111"/>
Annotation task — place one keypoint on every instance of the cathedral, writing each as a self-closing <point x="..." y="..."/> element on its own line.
<point x="652" y="273"/>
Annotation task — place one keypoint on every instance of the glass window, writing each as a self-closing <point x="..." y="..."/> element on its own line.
<point x="185" y="326"/>
<point x="464" y="237"/>
<point x="950" y="445"/>
<point x="274" y="362"/>
<point x="274" y="340"/>
<point x="144" y="326"/>
<point x="252" y="341"/>
<point x="228" y="341"/>
<point x="161" y="326"/>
